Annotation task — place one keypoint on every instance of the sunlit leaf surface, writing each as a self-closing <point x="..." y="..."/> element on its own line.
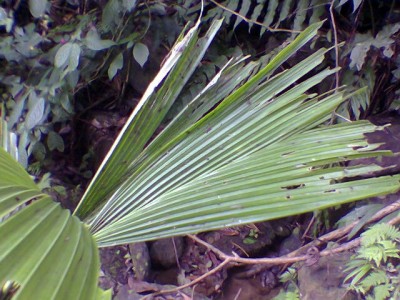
<point x="44" y="250"/>
<point x="246" y="149"/>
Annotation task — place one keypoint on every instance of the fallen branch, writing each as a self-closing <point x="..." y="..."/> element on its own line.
<point x="310" y="249"/>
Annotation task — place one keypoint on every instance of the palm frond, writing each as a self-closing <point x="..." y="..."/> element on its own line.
<point x="44" y="251"/>
<point x="286" y="178"/>
<point x="147" y="116"/>
<point x="256" y="156"/>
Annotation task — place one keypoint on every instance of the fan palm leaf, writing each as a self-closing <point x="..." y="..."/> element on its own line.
<point x="44" y="251"/>
<point x="256" y="156"/>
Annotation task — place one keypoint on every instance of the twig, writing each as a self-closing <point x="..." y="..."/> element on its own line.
<point x="394" y="221"/>
<point x="294" y="256"/>
<point x="341" y="232"/>
<point x="253" y="21"/>
<point x="309" y="226"/>
<point x="176" y="254"/>
<point x="248" y="261"/>
<point x="354" y="243"/>
<point x="238" y="294"/>
<point x="197" y="280"/>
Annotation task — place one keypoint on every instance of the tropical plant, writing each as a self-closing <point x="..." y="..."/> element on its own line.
<point x="250" y="147"/>
<point x="268" y="14"/>
<point x="378" y="47"/>
<point x="371" y="273"/>
<point x="291" y="292"/>
<point x="43" y="66"/>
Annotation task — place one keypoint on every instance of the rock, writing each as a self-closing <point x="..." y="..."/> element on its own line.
<point x="167" y="276"/>
<point x="324" y="279"/>
<point x="164" y="253"/>
<point x="195" y="262"/>
<point x="247" y="240"/>
<point x="125" y="293"/>
<point x="291" y="243"/>
<point x="113" y="263"/>
<point x="259" y="287"/>
<point x="140" y="260"/>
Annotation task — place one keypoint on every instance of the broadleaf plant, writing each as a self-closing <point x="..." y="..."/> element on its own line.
<point x="249" y="147"/>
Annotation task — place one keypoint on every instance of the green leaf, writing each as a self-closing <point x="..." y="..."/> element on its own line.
<point x="270" y="15"/>
<point x="17" y="109"/>
<point x="286" y="178"/>
<point x="37" y="7"/>
<point x="44" y="250"/>
<point x="67" y="56"/>
<point x="115" y="66"/>
<point x="129" y="5"/>
<point x="62" y="55"/>
<point x="140" y="53"/>
<point x="55" y="141"/>
<point x="16" y="185"/>
<point x="244" y="9"/>
<point x="284" y="10"/>
<point x="72" y="80"/>
<point x="43" y="246"/>
<point x="74" y="55"/>
<point x="301" y="14"/>
<point x="35" y="112"/>
<point x="8" y="140"/>
<point x="94" y="42"/>
<point x="358" y="55"/>
<point x="356" y="4"/>
<point x="249" y="241"/>
<point x="358" y="273"/>
<point x="261" y="153"/>
<point x="148" y="114"/>
<point x="111" y="15"/>
<point x="382" y="292"/>
<point x="39" y="151"/>
<point x="361" y="214"/>
<point x="3" y="15"/>
<point x="66" y="102"/>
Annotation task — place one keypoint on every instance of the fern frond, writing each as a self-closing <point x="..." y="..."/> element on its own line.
<point x="295" y="295"/>
<point x="354" y="263"/>
<point x="375" y="252"/>
<point x="370" y="275"/>
<point x="374" y="279"/>
<point x="382" y="292"/>
<point x="244" y="10"/>
<point x="301" y="14"/>
<point x="289" y="275"/>
<point x="269" y="17"/>
<point x="391" y="248"/>
<point x="318" y="10"/>
<point x="358" y="274"/>
<point x="269" y="14"/>
<point x="285" y="9"/>
<point x="379" y="232"/>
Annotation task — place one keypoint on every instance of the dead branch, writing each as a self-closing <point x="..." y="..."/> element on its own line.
<point x="294" y="256"/>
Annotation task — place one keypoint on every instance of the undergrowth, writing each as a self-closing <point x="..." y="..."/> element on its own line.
<point x="373" y="272"/>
